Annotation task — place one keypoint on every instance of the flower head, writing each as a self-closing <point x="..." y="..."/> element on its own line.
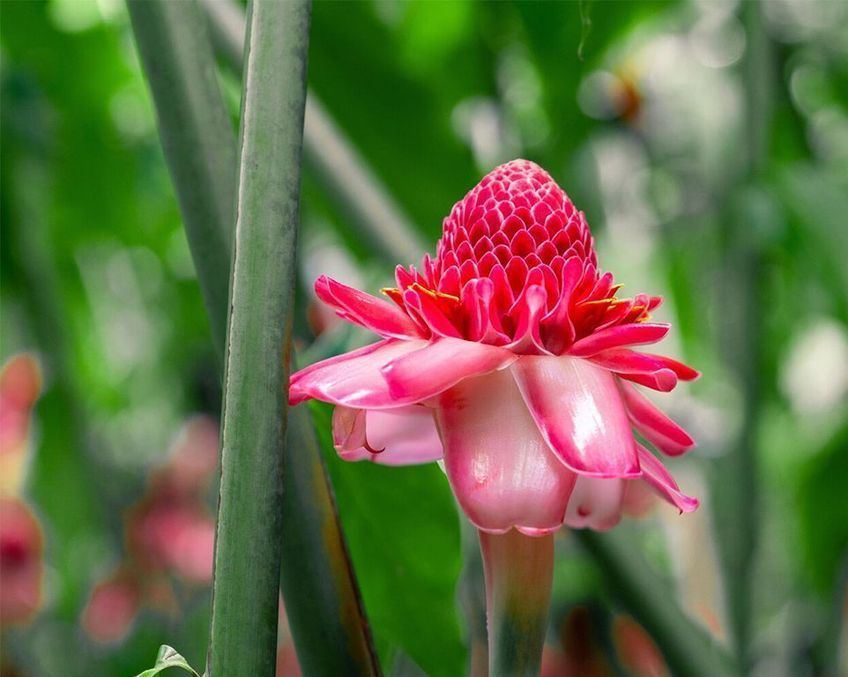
<point x="508" y="356"/>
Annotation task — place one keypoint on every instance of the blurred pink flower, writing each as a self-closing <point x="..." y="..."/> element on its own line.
<point x="20" y="386"/>
<point x="509" y="357"/>
<point x="638" y="651"/>
<point x="168" y="532"/>
<point x="112" y="607"/>
<point x="21" y="562"/>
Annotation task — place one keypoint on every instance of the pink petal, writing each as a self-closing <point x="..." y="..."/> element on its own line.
<point x="354" y="379"/>
<point x="596" y="503"/>
<point x="683" y="371"/>
<point x="641" y="368"/>
<point x="655" y="474"/>
<point x="404" y="436"/>
<point x="441" y="364"/>
<point x="656" y="426"/>
<point x="501" y="470"/>
<point x="618" y="336"/>
<point x="528" y="310"/>
<point x="430" y="312"/>
<point x="379" y="316"/>
<point x="579" y="412"/>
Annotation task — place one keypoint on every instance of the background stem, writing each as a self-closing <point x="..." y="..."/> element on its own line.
<point x="734" y="486"/>
<point x="688" y="649"/>
<point x="196" y="135"/>
<point x="322" y="599"/>
<point x="519" y="572"/>
<point x="345" y="174"/>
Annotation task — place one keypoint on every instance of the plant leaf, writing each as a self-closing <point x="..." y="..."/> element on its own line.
<point x="168" y="657"/>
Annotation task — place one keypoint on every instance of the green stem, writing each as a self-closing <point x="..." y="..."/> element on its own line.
<point x="519" y="573"/>
<point x="250" y="507"/>
<point x="688" y="649"/>
<point x="196" y="135"/>
<point x="734" y="486"/>
<point x="324" y="608"/>
<point x="345" y="174"/>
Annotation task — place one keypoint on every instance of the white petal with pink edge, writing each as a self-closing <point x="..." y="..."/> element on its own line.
<point x="596" y="503"/>
<point x="405" y="436"/>
<point x="579" y="411"/>
<point x="502" y="472"/>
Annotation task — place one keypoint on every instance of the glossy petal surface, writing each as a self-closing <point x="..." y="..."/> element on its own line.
<point x="578" y="409"/>
<point x="501" y="470"/>
<point x="440" y="365"/>
<point x="354" y="379"/>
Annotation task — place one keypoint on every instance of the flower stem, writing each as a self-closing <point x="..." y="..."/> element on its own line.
<point x="519" y="573"/>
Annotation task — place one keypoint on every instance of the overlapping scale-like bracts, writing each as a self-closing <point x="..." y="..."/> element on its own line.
<point x="516" y="267"/>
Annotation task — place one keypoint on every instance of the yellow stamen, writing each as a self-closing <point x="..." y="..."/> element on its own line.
<point x="433" y="293"/>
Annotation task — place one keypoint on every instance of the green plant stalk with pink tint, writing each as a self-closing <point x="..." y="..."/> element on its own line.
<point x="519" y="574"/>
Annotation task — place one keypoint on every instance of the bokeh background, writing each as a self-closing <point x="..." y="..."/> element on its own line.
<point x="707" y="141"/>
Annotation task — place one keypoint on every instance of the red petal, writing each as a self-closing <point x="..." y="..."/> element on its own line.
<point x="365" y="310"/>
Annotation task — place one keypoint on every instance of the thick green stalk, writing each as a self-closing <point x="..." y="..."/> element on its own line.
<point x="519" y="572"/>
<point x="324" y="608"/>
<point x="196" y="135"/>
<point x="250" y="506"/>
<point x="344" y="173"/>
<point x="688" y="649"/>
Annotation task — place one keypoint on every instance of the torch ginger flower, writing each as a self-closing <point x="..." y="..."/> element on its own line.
<point x="509" y="356"/>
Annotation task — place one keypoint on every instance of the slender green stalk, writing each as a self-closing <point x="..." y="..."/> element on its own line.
<point x="734" y="483"/>
<point x="519" y="572"/>
<point x="196" y="135"/>
<point x="344" y="172"/>
<point x="324" y="607"/>
<point x="688" y="649"/>
<point x="248" y="548"/>
<point x="472" y="596"/>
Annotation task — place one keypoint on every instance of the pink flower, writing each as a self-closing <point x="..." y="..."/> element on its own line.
<point x="21" y="563"/>
<point x="509" y="356"/>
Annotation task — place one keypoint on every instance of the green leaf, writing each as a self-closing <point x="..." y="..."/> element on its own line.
<point x="250" y="509"/>
<point x="403" y="531"/>
<point x="168" y="657"/>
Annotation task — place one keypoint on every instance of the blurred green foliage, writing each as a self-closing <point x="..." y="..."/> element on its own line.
<point x="646" y="132"/>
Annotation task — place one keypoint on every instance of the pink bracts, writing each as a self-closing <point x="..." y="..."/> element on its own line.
<point x="509" y="356"/>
